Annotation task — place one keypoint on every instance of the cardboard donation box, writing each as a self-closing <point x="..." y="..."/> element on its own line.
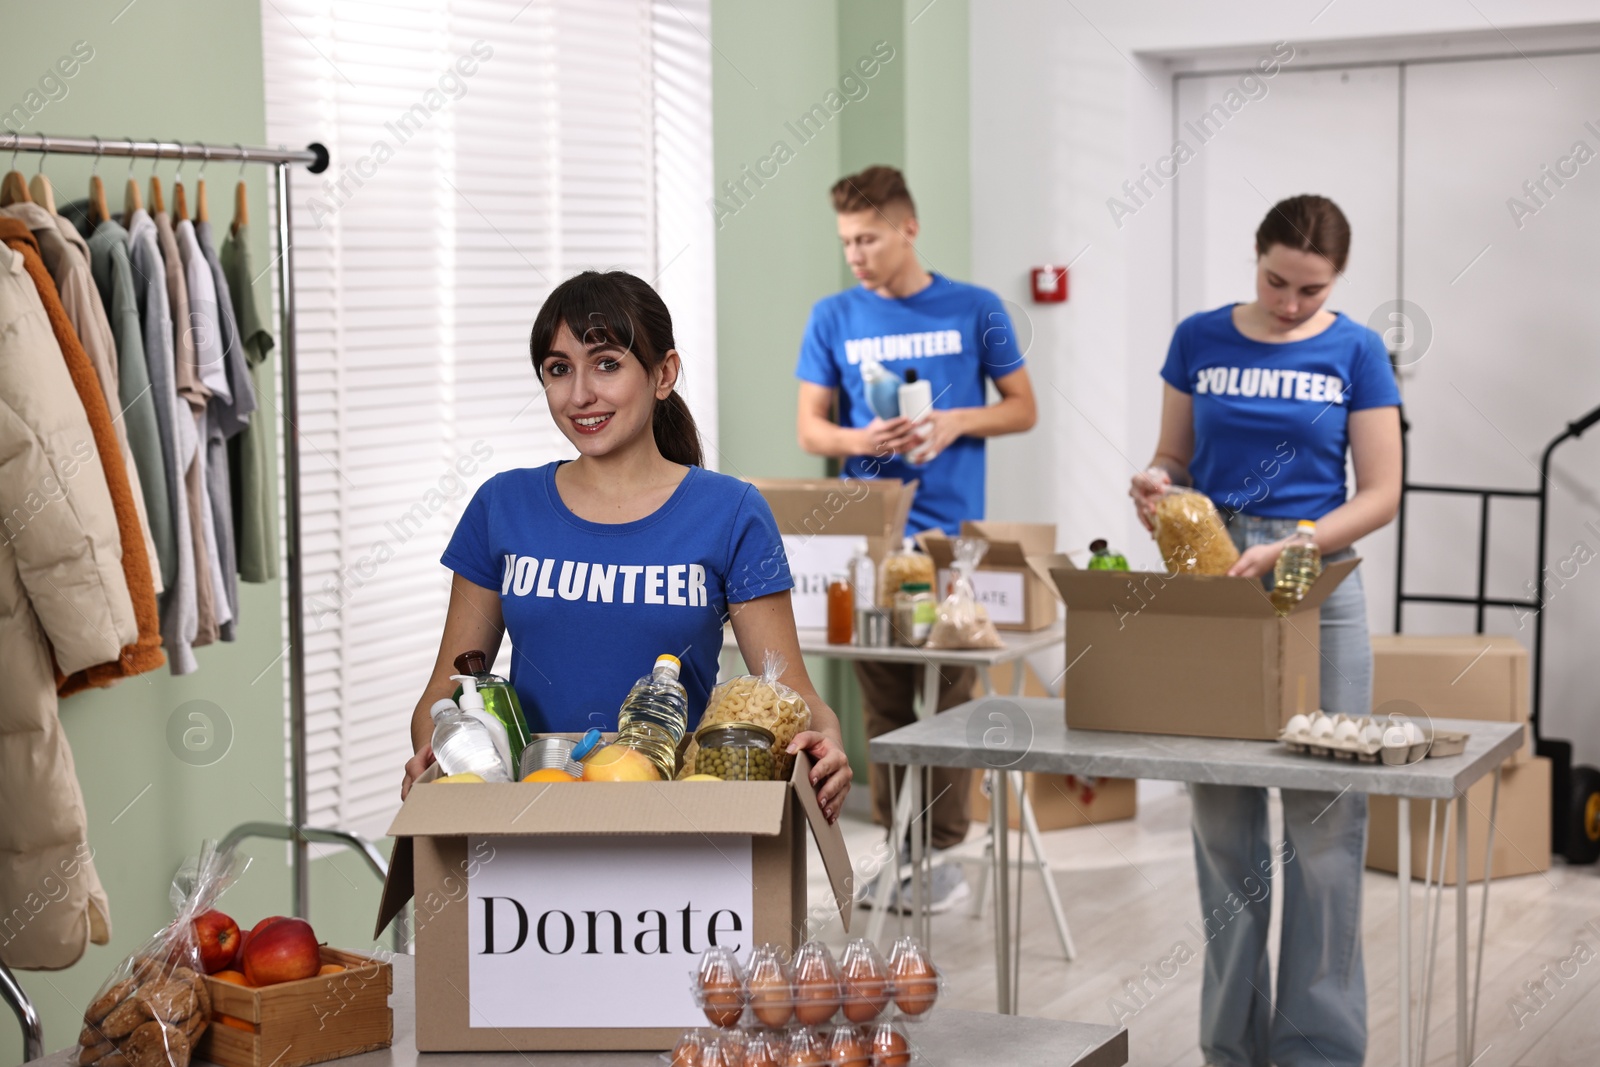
<point x="570" y="917"/>
<point x="1466" y="676"/>
<point x="1184" y="654"/>
<point x="1522" y="828"/>
<point x="1062" y="801"/>
<point x="1015" y="597"/>
<point x="822" y="520"/>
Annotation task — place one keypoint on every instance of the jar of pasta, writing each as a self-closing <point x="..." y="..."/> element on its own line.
<point x="907" y="565"/>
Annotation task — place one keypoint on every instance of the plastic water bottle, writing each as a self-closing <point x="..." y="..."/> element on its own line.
<point x="864" y="577"/>
<point x="882" y="387"/>
<point x="464" y="742"/>
<point x="499" y="700"/>
<point x="1298" y="566"/>
<point x="655" y="716"/>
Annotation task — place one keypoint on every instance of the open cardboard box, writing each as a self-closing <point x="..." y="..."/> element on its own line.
<point x="823" y="519"/>
<point x="1192" y="655"/>
<point x="1015" y="597"/>
<point x="570" y="916"/>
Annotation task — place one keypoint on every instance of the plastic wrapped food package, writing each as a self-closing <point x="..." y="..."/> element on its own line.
<point x="1191" y="535"/>
<point x="907" y="565"/>
<point x="763" y="701"/>
<point x="154" y="1006"/>
<point x="963" y="622"/>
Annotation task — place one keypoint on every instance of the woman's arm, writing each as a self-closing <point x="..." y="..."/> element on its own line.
<point x="766" y="624"/>
<point x="1175" y="448"/>
<point x="1375" y="454"/>
<point x="473" y="620"/>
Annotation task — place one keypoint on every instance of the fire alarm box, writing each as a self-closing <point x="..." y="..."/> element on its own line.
<point x="1049" y="285"/>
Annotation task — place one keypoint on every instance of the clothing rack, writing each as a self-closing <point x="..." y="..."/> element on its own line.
<point x="314" y="157"/>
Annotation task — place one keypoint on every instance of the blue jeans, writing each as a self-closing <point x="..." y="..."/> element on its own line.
<point x="1319" y="1016"/>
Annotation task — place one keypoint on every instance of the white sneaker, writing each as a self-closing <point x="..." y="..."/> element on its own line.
<point x="947" y="889"/>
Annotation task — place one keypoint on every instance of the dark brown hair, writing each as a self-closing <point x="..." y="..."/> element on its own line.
<point x="619" y="309"/>
<point x="873" y="189"/>
<point x="1307" y="223"/>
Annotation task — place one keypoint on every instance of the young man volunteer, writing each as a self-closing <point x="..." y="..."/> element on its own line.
<point x="956" y="337"/>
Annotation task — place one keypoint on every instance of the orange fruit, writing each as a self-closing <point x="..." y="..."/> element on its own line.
<point x="330" y="968"/>
<point x="234" y="977"/>
<point x="235" y="1022"/>
<point x="550" y="774"/>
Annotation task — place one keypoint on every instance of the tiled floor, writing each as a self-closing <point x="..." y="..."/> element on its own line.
<point x="1129" y="892"/>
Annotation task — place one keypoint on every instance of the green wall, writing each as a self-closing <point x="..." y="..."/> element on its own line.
<point x="777" y="248"/>
<point x="174" y="70"/>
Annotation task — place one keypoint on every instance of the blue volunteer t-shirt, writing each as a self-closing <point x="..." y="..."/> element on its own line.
<point x="1271" y="421"/>
<point x="589" y="606"/>
<point x="955" y="336"/>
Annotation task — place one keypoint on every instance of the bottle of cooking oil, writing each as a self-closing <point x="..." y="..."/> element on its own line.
<point x="1298" y="566"/>
<point x="655" y="715"/>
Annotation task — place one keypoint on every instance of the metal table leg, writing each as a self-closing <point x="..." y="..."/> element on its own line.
<point x="1461" y="930"/>
<point x="1483" y="916"/>
<point x="1030" y="826"/>
<point x="1404" y="832"/>
<point x="1002" y="899"/>
<point x="27" y="1015"/>
<point x="889" y="875"/>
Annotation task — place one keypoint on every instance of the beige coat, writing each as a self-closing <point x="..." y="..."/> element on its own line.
<point x="61" y="587"/>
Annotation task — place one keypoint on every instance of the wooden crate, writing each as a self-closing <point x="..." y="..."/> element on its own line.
<point x="306" y="1021"/>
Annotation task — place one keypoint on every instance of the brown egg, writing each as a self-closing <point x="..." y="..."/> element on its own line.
<point x="687" y="1052"/>
<point x="916" y="983"/>
<point x="771" y="995"/>
<point x="805" y="1049"/>
<point x="847" y="1048"/>
<point x="889" y="1048"/>
<point x="764" y="1049"/>
<point x="865" y="982"/>
<point x="723" y="1001"/>
<point x="726" y="1051"/>
<point x="816" y="984"/>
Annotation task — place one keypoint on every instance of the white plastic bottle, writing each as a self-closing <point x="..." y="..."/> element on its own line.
<point x="467" y="739"/>
<point x="864" y="577"/>
<point x="916" y="400"/>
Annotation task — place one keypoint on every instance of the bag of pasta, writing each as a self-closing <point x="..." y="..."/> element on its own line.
<point x="962" y="621"/>
<point x="153" y="1008"/>
<point x="764" y="701"/>
<point x="1191" y="535"/>
<point x="910" y="564"/>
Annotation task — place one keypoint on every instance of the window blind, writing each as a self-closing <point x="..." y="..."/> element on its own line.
<point x="482" y="151"/>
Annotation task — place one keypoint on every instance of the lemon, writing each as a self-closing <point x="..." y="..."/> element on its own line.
<point x="466" y="777"/>
<point x="702" y="778"/>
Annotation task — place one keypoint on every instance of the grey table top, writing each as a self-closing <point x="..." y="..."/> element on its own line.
<point x="1030" y="734"/>
<point x="951" y="1037"/>
<point x="1018" y="644"/>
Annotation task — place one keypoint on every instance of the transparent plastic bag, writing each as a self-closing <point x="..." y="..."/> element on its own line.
<point x="1191" y="535"/>
<point x="907" y="565"/>
<point x="962" y="621"/>
<point x="154" y="1006"/>
<point x="762" y="700"/>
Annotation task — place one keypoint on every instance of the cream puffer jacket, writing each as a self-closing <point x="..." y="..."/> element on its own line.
<point x="61" y="587"/>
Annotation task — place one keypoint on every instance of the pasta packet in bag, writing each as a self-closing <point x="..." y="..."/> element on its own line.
<point x="962" y="621"/>
<point x="1191" y="534"/>
<point x="153" y="1008"/>
<point x="762" y="700"/>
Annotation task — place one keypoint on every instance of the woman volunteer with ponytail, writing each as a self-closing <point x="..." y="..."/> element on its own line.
<point x="595" y="566"/>
<point x="1261" y="405"/>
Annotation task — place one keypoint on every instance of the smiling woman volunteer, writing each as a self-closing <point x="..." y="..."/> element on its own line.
<point x="1261" y="402"/>
<point x="597" y="565"/>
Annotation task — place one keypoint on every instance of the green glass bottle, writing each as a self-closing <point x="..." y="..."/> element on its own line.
<point x="499" y="700"/>
<point x="1102" y="558"/>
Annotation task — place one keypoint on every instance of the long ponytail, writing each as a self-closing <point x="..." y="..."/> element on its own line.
<point x="620" y="309"/>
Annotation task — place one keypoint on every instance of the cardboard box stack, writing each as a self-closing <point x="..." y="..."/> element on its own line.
<point x="570" y="916"/>
<point x="1467" y="676"/>
<point x="1060" y="801"/>
<point x="1014" y="595"/>
<point x="822" y="520"/>
<point x="1229" y="665"/>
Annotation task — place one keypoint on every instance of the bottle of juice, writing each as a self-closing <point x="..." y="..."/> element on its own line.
<point x="655" y="716"/>
<point x="841" y="610"/>
<point x="1102" y="558"/>
<point x="1298" y="566"/>
<point x="499" y="700"/>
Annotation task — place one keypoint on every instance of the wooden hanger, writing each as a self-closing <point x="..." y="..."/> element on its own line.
<point x="97" y="190"/>
<point x="200" y="213"/>
<point x="39" y="186"/>
<point x="241" y="198"/>
<point x="157" y="204"/>
<point x="180" y="204"/>
<point x="131" y="201"/>
<point x="14" y="187"/>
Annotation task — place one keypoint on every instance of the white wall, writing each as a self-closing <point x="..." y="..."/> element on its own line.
<point x="1070" y="101"/>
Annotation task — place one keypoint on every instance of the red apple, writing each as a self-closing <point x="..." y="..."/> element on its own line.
<point x="238" y="958"/>
<point x="282" y="952"/>
<point x="217" y="935"/>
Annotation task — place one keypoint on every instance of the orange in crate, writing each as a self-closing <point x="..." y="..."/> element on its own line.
<point x="329" y="1015"/>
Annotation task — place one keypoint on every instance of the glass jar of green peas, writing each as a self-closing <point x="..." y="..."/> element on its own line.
<point x="735" y="752"/>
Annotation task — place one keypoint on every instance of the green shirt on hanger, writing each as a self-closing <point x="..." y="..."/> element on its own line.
<point x="255" y="525"/>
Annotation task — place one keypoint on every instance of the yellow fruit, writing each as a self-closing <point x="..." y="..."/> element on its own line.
<point x="614" y="763"/>
<point x="702" y="778"/>
<point x="467" y="777"/>
<point x="549" y="774"/>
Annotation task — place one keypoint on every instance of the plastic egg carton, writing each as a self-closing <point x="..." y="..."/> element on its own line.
<point x="1368" y="740"/>
<point x="881" y="1044"/>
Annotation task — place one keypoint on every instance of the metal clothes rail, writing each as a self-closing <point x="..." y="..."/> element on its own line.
<point x="314" y="157"/>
